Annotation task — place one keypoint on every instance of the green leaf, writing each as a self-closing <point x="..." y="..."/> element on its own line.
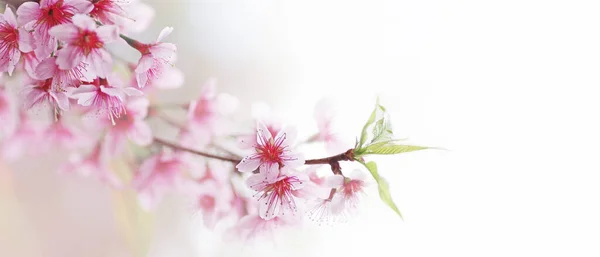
<point x="363" y="135"/>
<point x="383" y="187"/>
<point x="392" y="149"/>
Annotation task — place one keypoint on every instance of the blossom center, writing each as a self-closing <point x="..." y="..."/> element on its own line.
<point x="55" y="14"/>
<point x="88" y="41"/>
<point x="9" y="35"/>
<point x="207" y="202"/>
<point x="270" y="152"/>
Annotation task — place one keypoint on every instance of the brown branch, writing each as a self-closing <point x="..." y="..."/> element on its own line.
<point x="333" y="161"/>
<point x="181" y="148"/>
<point x="346" y="156"/>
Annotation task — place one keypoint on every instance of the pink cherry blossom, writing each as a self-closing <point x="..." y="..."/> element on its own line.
<point x="276" y="195"/>
<point x="61" y="134"/>
<point x="62" y="79"/>
<point x="214" y="201"/>
<point x="26" y="134"/>
<point x="85" y="43"/>
<point x="30" y="63"/>
<point x="270" y="153"/>
<point x="7" y="119"/>
<point x="139" y="16"/>
<point x="324" y="115"/>
<point x="42" y="93"/>
<point x="104" y="96"/>
<point x="156" y="176"/>
<point x="156" y="57"/>
<point x="41" y="17"/>
<point x="109" y="12"/>
<point x="130" y="125"/>
<point x="95" y="164"/>
<point x="13" y="40"/>
<point x="349" y="191"/>
<point x="253" y="227"/>
<point x="202" y="114"/>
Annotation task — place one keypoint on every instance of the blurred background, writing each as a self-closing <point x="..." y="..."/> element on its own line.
<point x="509" y="88"/>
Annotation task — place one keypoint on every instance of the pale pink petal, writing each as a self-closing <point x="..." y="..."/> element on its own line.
<point x="84" y="22"/>
<point x="140" y="133"/>
<point x="68" y="57"/>
<point x="270" y="171"/>
<point x="14" y="57"/>
<point x="28" y="11"/>
<point x="248" y="164"/>
<point x="30" y="61"/>
<point x="138" y="106"/>
<point x="108" y="33"/>
<point x="113" y="92"/>
<point x="46" y="68"/>
<point x="164" y="51"/>
<point x="263" y="135"/>
<point x="130" y="91"/>
<point x="140" y="16"/>
<point x="82" y="6"/>
<point x="293" y="160"/>
<point x="9" y="17"/>
<point x="101" y="63"/>
<point x="25" y="41"/>
<point x="164" y="33"/>
<point x="65" y="32"/>
<point x="170" y="78"/>
<point x="334" y="181"/>
<point x="47" y="3"/>
<point x="61" y="99"/>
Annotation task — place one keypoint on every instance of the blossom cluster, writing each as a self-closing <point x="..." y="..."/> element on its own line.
<point x="62" y="90"/>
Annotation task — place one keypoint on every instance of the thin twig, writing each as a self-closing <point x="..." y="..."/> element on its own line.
<point x="208" y="155"/>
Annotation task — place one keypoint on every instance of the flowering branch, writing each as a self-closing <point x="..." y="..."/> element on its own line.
<point x="60" y="48"/>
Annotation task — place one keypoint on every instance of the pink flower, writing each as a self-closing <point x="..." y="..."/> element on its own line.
<point x="30" y="63"/>
<point x="130" y="125"/>
<point x="324" y="115"/>
<point x="13" y="40"/>
<point x="59" y="134"/>
<point x="105" y="96"/>
<point x="343" y="201"/>
<point x="62" y="79"/>
<point x="26" y="134"/>
<point x="156" y="57"/>
<point x="139" y="16"/>
<point x="253" y="227"/>
<point x="109" y="12"/>
<point x="42" y="93"/>
<point x="275" y="195"/>
<point x="202" y="113"/>
<point x="270" y="153"/>
<point x="85" y="43"/>
<point x="95" y="164"/>
<point x="214" y="201"/>
<point x="7" y="119"/>
<point x="47" y="14"/>
<point x="156" y="176"/>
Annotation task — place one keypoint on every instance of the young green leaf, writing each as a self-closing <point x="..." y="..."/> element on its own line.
<point x="363" y="135"/>
<point x="382" y="186"/>
<point x="392" y="149"/>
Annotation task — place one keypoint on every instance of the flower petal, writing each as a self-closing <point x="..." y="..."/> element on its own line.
<point x="248" y="164"/>
<point x="68" y="57"/>
<point x="108" y="33"/>
<point x="65" y="32"/>
<point x="28" y="11"/>
<point x="140" y="133"/>
<point x="164" y="33"/>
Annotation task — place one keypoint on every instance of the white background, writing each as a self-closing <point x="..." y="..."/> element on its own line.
<point x="508" y="87"/>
